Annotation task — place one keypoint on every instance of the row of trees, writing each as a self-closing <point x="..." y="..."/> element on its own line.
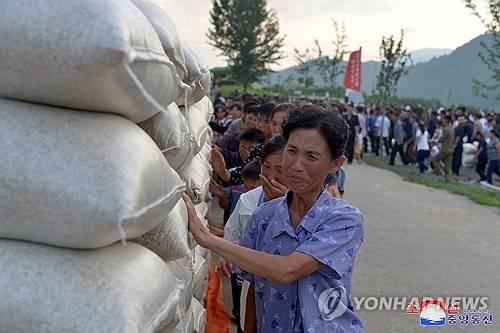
<point x="247" y="35"/>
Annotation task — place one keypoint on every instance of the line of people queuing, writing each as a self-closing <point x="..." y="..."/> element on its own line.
<point x="437" y="136"/>
<point x="278" y="176"/>
<point x="249" y="162"/>
<point x="415" y="134"/>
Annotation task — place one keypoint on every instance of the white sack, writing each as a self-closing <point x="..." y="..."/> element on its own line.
<point x="169" y="37"/>
<point x="119" y="288"/>
<point x="186" y="325"/>
<point x="79" y="179"/>
<point x="468" y="160"/>
<point x="197" y="175"/>
<point x="200" y="276"/>
<point x="200" y="316"/>
<point x="198" y="116"/>
<point x="182" y="269"/>
<point x="469" y="149"/>
<point x="95" y="55"/>
<point x="169" y="240"/>
<point x="199" y="76"/>
<point x="169" y="130"/>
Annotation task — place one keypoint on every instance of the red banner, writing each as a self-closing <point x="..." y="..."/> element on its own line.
<point x="352" y="78"/>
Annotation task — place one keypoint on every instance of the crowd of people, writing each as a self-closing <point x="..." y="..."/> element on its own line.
<point x="433" y="139"/>
<point x="278" y="177"/>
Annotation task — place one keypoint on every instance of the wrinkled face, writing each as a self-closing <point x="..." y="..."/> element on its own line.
<point x="272" y="167"/>
<point x="246" y="148"/>
<point x="251" y="121"/>
<point x="264" y="124"/>
<point x="235" y="112"/>
<point x="307" y="161"/>
<point x="251" y="183"/>
<point x="277" y="122"/>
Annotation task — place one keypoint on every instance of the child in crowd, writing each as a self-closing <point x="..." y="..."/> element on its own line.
<point x="434" y="150"/>
<point x="247" y="142"/>
<point x="358" y="147"/>
<point x="228" y="196"/>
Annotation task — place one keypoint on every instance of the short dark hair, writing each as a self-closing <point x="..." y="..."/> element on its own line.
<point x="283" y="107"/>
<point x="253" y="109"/>
<point x="248" y="104"/>
<point x="236" y="105"/>
<point x="266" y="109"/>
<point x="251" y="170"/>
<point x="252" y="135"/>
<point x="275" y="145"/>
<point x="329" y="124"/>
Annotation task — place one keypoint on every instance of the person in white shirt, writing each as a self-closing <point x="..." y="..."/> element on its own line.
<point x="363" y="126"/>
<point x="382" y="131"/>
<point x="422" y="147"/>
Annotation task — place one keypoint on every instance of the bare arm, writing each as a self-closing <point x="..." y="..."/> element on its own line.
<point x="219" y="164"/>
<point x="224" y="196"/>
<point x="250" y="315"/>
<point x="277" y="268"/>
<point x="479" y="151"/>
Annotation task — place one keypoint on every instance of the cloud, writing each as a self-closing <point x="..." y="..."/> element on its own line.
<point x="427" y="24"/>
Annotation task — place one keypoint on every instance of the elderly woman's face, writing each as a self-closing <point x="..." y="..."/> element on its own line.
<point x="307" y="161"/>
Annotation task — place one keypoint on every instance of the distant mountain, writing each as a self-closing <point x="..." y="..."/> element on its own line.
<point x="424" y="55"/>
<point x="447" y="78"/>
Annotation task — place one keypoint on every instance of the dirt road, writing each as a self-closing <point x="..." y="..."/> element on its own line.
<point x="421" y="242"/>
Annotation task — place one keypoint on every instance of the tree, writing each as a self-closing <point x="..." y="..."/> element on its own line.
<point x="330" y="67"/>
<point x="395" y="60"/>
<point x="305" y="65"/>
<point x="491" y="57"/>
<point x="247" y="34"/>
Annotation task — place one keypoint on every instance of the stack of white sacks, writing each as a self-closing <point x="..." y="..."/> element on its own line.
<point x="103" y="125"/>
<point x="468" y="154"/>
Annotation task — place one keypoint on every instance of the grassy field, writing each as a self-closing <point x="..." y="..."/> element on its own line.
<point x="229" y="90"/>
<point x="475" y="192"/>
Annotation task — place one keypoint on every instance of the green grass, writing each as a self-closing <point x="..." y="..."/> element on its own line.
<point x="479" y="195"/>
<point x="229" y="90"/>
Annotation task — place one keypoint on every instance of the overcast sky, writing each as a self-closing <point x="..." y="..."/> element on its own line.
<point x="427" y="24"/>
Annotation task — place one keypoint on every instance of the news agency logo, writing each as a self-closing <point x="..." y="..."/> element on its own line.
<point x="333" y="303"/>
<point x="435" y="312"/>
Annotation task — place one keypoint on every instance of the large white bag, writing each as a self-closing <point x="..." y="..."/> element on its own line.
<point x="168" y="35"/>
<point x="200" y="270"/>
<point x="186" y="325"/>
<point x="119" y="288"/>
<point x="79" y="179"/>
<point x="469" y="148"/>
<point x="169" y="240"/>
<point x="182" y="270"/>
<point x="96" y="55"/>
<point x="200" y="316"/>
<point x="169" y="130"/>
<point x="199" y="77"/>
<point x="198" y="116"/>
<point x="197" y="174"/>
